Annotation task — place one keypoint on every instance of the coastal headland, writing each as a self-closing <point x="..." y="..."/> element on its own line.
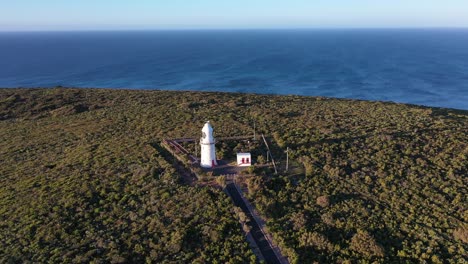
<point x="83" y="179"/>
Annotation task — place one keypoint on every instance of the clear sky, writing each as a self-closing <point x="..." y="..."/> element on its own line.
<point x="216" y="14"/>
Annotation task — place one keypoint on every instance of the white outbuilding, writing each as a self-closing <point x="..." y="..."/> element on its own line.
<point x="244" y="159"/>
<point x="208" y="150"/>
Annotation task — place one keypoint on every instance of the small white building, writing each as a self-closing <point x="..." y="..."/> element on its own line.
<point x="208" y="151"/>
<point x="244" y="159"/>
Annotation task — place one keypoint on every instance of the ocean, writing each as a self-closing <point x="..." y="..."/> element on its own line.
<point x="418" y="66"/>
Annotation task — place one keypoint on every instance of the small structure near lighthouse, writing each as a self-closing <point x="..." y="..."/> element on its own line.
<point x="244" y="159"/>
<point x="207" y="143"/>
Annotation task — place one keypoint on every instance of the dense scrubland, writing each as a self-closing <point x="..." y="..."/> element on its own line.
<point x="81" y="180"/>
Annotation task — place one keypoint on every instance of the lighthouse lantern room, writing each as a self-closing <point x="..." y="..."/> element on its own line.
<point x="207" y="143"/>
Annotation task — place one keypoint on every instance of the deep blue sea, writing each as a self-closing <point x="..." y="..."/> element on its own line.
<point x="418" y="66"/>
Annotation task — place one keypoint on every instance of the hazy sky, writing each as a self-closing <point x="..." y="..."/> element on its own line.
<point x="185" y="14"/>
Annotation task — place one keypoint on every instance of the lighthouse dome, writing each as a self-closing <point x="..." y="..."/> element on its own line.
<point x="207" y="134"/>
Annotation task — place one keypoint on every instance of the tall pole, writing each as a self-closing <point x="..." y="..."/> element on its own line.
<point x="287" y="158"/>
<point x="268" y="148"/>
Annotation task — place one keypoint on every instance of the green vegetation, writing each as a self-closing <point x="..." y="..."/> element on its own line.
<point x="81" y="178"/>
<point x="81" y="182"/>
<point x="382" y="182"/>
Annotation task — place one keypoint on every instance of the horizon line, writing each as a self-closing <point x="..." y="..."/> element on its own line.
<point x="226" y="29"/>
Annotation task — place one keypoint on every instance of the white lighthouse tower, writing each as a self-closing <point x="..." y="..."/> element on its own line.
<point x="207" y="143"/>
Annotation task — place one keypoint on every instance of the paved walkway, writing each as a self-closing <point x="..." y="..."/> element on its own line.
<point x="262" y="225"/>
<point x="263" y="243"/>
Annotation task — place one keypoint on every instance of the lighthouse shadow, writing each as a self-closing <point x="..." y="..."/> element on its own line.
<point x="186" y="175"/>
